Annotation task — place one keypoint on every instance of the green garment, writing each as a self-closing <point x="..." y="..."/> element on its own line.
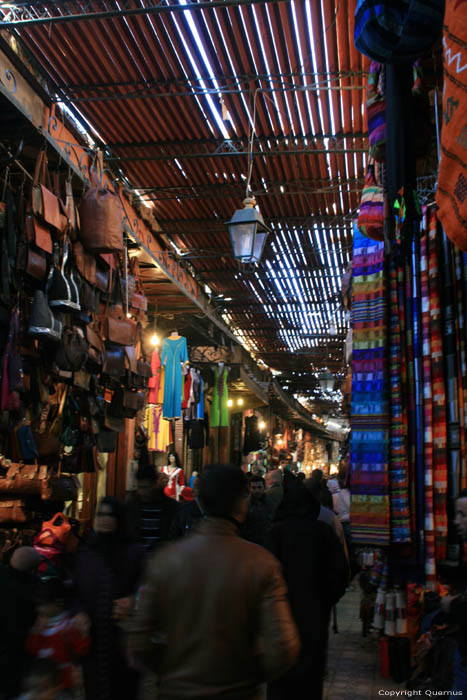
<point x="220" y="410"/>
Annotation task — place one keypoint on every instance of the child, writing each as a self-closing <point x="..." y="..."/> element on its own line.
<point x="56" y="635"/>
<point x="42" y="682"/>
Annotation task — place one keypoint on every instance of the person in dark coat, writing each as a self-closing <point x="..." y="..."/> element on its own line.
<point x="17" y="614"/>
<point x="319" y="488"/>
<point x="316" y="572"/>
<point x="188" y="515"/>
<point x="260" y="513"/>
<point x="107" y="573"/>
<point x="150" y="511"/>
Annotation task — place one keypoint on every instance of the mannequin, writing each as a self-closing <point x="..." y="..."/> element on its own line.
<point x="176" y="477"/>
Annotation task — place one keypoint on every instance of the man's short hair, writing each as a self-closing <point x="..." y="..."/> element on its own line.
<point x="220" y="487"/>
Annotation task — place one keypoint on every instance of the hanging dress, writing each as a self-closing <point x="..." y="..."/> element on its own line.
<point x="174" y="354"/>
<point x="155" y="380"/>
<point x="220" y="409"/>
<point x="159" y="430"/>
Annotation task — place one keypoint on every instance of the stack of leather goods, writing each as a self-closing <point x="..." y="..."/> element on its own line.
<point x="71" y="315"/>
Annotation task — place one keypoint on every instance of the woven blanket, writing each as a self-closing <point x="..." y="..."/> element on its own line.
<point x="369" y="447"/>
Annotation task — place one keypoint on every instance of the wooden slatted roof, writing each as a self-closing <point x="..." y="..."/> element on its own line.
<point x="169" y="91"/>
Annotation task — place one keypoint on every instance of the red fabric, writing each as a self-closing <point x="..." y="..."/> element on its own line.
<point x="61" y="642"/>
<point x="187" y="390"/>
<point x="154" y="381"/>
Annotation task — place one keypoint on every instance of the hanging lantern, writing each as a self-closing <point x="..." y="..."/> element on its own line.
<point x="248" y="233"/>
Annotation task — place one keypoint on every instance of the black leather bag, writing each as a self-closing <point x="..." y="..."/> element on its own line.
<point x="107" y="441"/>
<point x="72" y="354"/>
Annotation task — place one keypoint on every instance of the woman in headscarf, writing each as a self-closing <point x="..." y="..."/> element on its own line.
<point x="107" y="574"/>
<point x="316" y="572"/>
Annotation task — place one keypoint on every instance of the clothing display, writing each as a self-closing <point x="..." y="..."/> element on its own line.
<point x="198" y="433"/>
<point x="159" y="431"/>
<point x="220" y="409"/>
<point x="370" y="410"/>
<point x="155" y="384"/>
<point x="176" y="481"/>
<point x="174" y="354"/>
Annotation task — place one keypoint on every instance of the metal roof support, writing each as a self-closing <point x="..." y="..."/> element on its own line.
<point x="26" y="16"/>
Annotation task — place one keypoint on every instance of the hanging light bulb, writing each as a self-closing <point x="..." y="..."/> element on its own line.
<point x="155" y="340"/>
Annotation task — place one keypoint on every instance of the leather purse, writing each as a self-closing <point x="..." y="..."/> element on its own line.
<point x="95" y="347"/>
<point x="101" y="215"/>
<point x="47" y="435"/>
<point x="38" y="234"/>
<point x="45" y="204"/>
<point x="25" y="479"/>
<point x="36" y="264"/>
<point x="61" y="487"/>
<point x="139" y="300"/>
<point x="85" y="263"/>
<point x="118" y="329"/>
<point x="12" y="511"/>
<point x="133" y="401"/>
<point x="102" y="280"/>
<point x="113" y="422"/>
<point x="107" y="441"/>
<point x="114" y="362"/>
<point x="72" y="354"/>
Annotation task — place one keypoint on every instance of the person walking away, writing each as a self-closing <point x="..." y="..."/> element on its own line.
<point x="58" y="636"/>
<point x="318" y="486"/>
<point x="316" y="573"/>
<point x="341" y="507"/>
<point x="274" y="490"/>
<point x="18" y="582"/>
<point x="150" y="510"/>
<point x="213" y="616"/>
<point x="187" y="516"/>
<point x="259" y="517"/>
<point x="107" y="572"/>
<point x="42" y="682"/>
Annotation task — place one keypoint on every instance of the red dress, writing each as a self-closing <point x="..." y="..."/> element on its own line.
<point x="176" y="482"/>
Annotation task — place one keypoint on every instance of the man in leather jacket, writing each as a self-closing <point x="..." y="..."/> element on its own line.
<point x="213" y="618"/>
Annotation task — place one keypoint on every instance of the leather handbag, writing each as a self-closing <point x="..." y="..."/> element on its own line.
<point x="61" y="487"/>
<point x="139" y="300"/>
<point x="95" y="347"/>
<point x="25" y="479"/>
<point x="39" y="234"/>
<point x="85" y="263"/>
<point x="114" y="423"/>
<point x="43" y="324"/>
<point x="31" y="260"/>
<point x="62" y="291"/>
<point x="114" y="362"/>
<point x="133" y="401"/>
<point x="101" y="215"/>
<point x="107" y="441"/>
<point x="12" y="511"/>
<point x="118" y="329"/>
<point x="72" y="354"/>
<point x="47" y="434"/>
<point x="45" y="204"/>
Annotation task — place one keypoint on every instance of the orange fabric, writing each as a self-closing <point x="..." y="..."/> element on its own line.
<point x="451" y="196"/>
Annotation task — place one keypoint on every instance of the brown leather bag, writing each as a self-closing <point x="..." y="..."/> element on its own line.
<point x="101" y="216"/>
<point x="47" y="435"/>
<point x="133" y="401"/>
<point x="25" y="478"/>
<point x="45" y="204"/>
<point x="118" y="329"/>
<point x="96" y="346"/>
<point x="114" y="363"/>
<point x="12" y="511"/>
<point x="38" y="234"/>
<point x="139" y="300"/>
<point x="36" y="265"/>
<point x="85" y="262"/>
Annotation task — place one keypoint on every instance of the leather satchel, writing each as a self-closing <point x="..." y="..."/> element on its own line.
<point x="95" y="347"/>
<point x="113" y="422"/>
<point x="28" y="479"/>
<point x="107" y="441"/>
<point x="133" y="401"/>
<point x="114" y="363"/>
<point x="12" y="511"/>
<point x="119" y="329"/>
<point x="38" y="234"/>
<point x="101" y="216"/>
<point x="45" y="204"/>
<point x="85" y="262"/>
<point x="47" y="435"/>
<point x="61" y="487"/>
<point x="139" y="300"/>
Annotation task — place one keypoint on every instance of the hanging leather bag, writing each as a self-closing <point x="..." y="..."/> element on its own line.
<point x="101" y="216"/>
<point x="139" y="300"/>
<point x="107" y="441"/>
<point x="133" y="401"/>
<point x="45" y="204"/>
<point x="39" y="234"/>
<point x="12" y="511"/>
<point x="47" y="433"/>
<point x="114" y="362"/>
<point x="115" y="326"/>
<point x="95" y="347"/>
<point x="72" y="354"/>
<point x="28" y="479"/>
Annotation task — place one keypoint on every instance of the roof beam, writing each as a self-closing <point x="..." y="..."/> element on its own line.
<point x="26" y="15"/>
<point x="221" y="190"/>
<point x="268" y="147"/>
<point x="201" y="226"/>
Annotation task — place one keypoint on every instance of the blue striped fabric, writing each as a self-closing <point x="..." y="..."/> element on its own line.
<point x="397" y="31"/>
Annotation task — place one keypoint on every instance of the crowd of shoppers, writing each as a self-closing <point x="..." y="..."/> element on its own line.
<point x="219" y="597"/>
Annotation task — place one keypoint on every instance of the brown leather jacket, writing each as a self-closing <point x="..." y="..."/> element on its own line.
<point x="218" y="606"/>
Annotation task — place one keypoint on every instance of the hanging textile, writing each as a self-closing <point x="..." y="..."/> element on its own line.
<point x="159" y="430"/>
<point x="398" y="463"/>
<point x="429" y="529"/>
<point x="440" y="472"/>
<point x="154" y="382"/>
<point x="369" y="449"/>
<point x="220" y="409"/>
<point x="174" y="354"/>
